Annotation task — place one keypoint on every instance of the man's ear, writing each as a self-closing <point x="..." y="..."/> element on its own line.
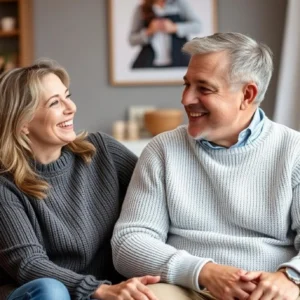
<point x="250" y="92"/>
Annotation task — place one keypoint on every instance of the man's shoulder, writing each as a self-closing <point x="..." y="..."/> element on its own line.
<point x="172" y="137"/>
<point x="284" y="132"/>
<point x="167" y="144"/>
<point x="286" y="142"/>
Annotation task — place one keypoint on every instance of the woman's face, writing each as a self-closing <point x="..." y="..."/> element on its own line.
<point x="52" y="125"/>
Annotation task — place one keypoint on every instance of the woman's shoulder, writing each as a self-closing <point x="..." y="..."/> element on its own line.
<point x="102" y="140"/>
<point x="9" y="193"/>
<point x="104" y="143"/>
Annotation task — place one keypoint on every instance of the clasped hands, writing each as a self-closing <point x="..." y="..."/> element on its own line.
<point x="230" y="283"/>
<point x="161" y="25"/>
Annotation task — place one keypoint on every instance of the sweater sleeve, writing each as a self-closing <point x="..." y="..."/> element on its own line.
<point x="23" y="257"/>
<point x="123" y="161"/>
<point x="192" y="23"/>
<point x="140" y="235"/>
<point x="137" y="35"/>
<point x="294" y="263"/>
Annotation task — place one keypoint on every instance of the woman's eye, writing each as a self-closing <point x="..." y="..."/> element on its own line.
<point x="54" y="103"/>
<point x="69" y="96"/>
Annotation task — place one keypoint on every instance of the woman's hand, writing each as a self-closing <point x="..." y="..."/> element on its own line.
<point x="155" y="26"/>
<point x="132" y="289"/>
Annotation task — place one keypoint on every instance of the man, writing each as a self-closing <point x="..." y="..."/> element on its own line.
<point x="214" y="207"/>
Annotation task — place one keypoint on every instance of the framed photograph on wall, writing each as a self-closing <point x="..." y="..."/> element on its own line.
<point x="145" y="40"/>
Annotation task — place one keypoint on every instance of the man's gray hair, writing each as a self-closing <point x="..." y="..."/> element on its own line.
<point x="250" y="61"/>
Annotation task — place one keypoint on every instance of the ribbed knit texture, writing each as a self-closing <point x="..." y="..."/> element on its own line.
<point x="188" y="204"/>
<point x="67" y="235"/>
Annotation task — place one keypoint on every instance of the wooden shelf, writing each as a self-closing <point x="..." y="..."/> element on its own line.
<point x="1" y="1"/>
<point x="18" y="42"/>
<point x="11" y="33"/>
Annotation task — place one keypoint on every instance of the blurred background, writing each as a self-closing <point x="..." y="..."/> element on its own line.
<point x="75" y="33"/>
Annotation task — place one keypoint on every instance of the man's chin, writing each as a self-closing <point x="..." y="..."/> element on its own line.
<point x="197" y="135"/>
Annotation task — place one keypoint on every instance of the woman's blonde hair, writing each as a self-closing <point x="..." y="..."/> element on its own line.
<point x="20" y="93"/>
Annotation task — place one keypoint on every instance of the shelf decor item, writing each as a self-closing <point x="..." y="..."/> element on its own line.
<point x="136" y="59"/>
<point x="160" y="120"/>
<point x="16" y="33"/>
<point x="8" y="23"/>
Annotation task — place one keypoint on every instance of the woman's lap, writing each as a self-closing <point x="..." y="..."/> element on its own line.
<point x="43" y="288"/>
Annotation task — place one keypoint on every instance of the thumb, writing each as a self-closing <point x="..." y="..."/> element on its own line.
<point x="250" y="276"/>
<point x="149" y="279"/>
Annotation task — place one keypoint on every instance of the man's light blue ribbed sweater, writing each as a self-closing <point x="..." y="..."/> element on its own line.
<point x="187" y="205"/>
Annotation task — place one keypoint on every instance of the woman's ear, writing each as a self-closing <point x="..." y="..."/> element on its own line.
<point x="250" y="93"/>
<point x="25" y="129"/>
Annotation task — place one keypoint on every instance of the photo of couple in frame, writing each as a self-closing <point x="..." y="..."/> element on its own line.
<point x="146" y="40"/>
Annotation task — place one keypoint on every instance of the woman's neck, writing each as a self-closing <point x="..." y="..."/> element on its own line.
<point x="46" y="157"/>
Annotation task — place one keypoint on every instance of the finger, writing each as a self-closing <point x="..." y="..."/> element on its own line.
<point x="146" y="291"/>
<point x="131" y="291"/>
<point x="248" y="287"/>
<point x="125" y="295"/>
<point x="240" y="294"/>
<point x="256" y="294"/>
<point x="250" y="276"/>
<point x="148" y="279"/>
<point x="267" y="296"/>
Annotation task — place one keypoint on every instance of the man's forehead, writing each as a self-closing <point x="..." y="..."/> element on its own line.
<point x="204" y="66"/>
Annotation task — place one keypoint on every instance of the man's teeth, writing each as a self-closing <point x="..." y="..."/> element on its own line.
<point x="65" y="124"/>
<point x="193" y="114"/>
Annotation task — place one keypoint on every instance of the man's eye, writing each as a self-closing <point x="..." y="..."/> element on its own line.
<point x="186" y="84"/>
<point x="204" y="90"/>
<point x="54" y="103"/>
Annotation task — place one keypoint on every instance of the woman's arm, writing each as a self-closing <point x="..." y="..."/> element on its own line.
<point x="138" y="32"/>
<point x="122" y="160"/>
<point x="23" y="257"/>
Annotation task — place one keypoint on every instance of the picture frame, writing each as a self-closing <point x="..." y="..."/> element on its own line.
<point x="122" y="54"/>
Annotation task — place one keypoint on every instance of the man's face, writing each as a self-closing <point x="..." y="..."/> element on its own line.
<point x="212" y="104"/>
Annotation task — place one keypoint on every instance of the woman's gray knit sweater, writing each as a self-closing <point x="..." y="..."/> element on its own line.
<point x="67" y="235"/>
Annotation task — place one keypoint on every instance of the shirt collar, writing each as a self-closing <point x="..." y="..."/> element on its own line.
<point x="246" y="136"/>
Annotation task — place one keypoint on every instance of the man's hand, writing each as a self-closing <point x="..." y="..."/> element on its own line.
<point x="224" y="282"/>
<point x="155" y="26"/>
<point x="168" y="26"/>
<point x="271" y="286"/>
<point x="133" y="289"/>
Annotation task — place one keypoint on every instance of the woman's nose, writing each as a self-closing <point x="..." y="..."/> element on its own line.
<point x="70" y="107"/>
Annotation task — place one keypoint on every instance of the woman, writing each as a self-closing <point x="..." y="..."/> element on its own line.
<point x="161" y="28"/>
<point x="60" y="195"/>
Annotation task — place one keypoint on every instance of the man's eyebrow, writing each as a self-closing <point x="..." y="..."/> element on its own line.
<point x="56" y="95"/>
<point x="207" y="83"/>
<point x="200" y="81"/>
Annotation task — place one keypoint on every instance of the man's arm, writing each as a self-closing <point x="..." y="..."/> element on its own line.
<point x="277" y="284"/>
<point x="192" y="24"/>
<point x="139" y="240"/>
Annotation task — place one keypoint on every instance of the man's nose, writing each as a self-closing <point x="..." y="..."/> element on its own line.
<point x="189" y="97"/>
